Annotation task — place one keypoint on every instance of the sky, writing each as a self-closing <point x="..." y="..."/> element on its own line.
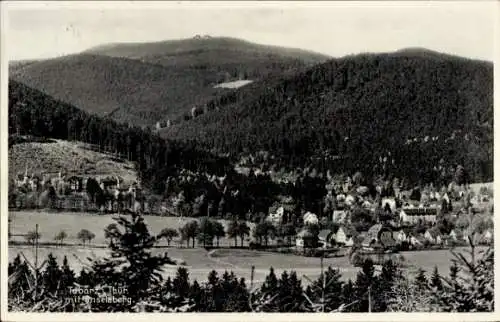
<point x="39" y="30"/>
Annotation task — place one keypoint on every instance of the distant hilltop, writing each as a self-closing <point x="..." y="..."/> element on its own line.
<point x="168" y="77"/>
<point x="202" y="37"/>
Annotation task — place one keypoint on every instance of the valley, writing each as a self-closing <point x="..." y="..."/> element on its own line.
<point x="228" y="155"/>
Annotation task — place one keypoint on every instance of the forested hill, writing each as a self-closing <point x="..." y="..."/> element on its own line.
<point x="32" y="112"/>
<point x="145" y="83"/>
<point x="414" y="113"/>
<point x="211" y="51"/>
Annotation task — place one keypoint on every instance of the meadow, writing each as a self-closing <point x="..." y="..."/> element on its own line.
<point x="50" y="224"/>
<point x="198" y="260"/>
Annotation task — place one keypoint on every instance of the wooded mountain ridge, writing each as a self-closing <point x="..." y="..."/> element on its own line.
<point x="145" y="83"/>
<point x="410" y="113"/>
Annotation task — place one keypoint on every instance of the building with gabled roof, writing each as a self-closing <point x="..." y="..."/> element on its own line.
<point x="379" y="236"/>
<point x="306" y="239"/>
<point x="414" y="215"/>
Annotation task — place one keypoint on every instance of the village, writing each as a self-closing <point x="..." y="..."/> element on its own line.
<point x="417" y="219"/>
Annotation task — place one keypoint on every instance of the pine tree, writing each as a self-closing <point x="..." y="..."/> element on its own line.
<point x="332" y="291"/>
<point x="232" y="293"/>
<point x="421" y="280"/>
<point x="180" y="284"/>
<point x="168" y="285"/>
<point x="23" y="278"/>
<point x="242" y="296"/>
<point x="270" y="285"/>
<point x="384" y="285"/>
<point x="296" y="293"/>
<point x="473" y="291"/>
<point x="14" y="264"/>
<point x="168" y="296"/>
<point x="85" y="278"/>
<point x="444" y="207"/>
<point x="348" y="296"/>
<point x="435" y="282"/>
<point x="52" y="275"/>
<point x="131" y="266"/>
<point x="67" y="275"/>
<point x="196" y="294"/>
<point x="364" y="282"/>
<point x="284" y="300"/>
<point x="214" y="293"/>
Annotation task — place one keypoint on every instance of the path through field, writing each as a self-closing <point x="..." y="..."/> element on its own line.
<point x="198" y="261"/>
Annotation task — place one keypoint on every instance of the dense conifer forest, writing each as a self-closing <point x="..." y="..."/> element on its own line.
<point x="33" y="113"/>
<point x="146" y="83"/>
<point x="413" y="114"/>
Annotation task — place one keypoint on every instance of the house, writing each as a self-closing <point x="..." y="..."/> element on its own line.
<point x="363" y="190"/>
<point x="343" y="236"/>
<point x="324" y="237"/>
<point x="24" y="179"/>
<point x="107" y="183"/>
<point x="465" y="237"/>
<point x="138" y="207"/>
<point x="453" y="235"/>
<point x="339" y="216"/>
<point x="340" y="197"/>
<point x="74" y="202"/>
<point x="75" y="183"/>
<point x="310" y="219"/>
<point x="400" y="236"/>
<point x="367" y="205"/>
<point x="446" y="197"/>
<point x="306" y="239"/>
<point x="111" y="183"/>
<point x="417" y="240"/>
<point x="433" y="236"/>
<point x="414" y="215"/>
<point x="378" y="236"/>
<point x="487" y="237"/>
<point x="391" y="202"/>
<point x="34" y="182"/>
<point x="21" y="180"/>
<point x="276" y="217"/>
<point x="350" y="200"/>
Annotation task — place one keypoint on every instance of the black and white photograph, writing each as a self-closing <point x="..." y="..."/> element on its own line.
<point x="248" y="157"/>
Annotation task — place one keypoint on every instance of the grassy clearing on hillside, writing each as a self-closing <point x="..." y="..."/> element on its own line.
<point x="233" y="84"/>
<point x="66" y="155"/>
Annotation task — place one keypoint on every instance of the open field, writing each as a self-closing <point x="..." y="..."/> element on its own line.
<point x="73" y="156"/>
<point x="199" y="262"/>
<point x="233" y="84"/>
<point x="49" y="224"/>
<point x="476" y="187"/>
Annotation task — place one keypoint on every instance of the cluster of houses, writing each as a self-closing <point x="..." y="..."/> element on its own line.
<point x="405" y="213"/>
<point x="344" y="236"/>
<point x="71" y="192"/>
